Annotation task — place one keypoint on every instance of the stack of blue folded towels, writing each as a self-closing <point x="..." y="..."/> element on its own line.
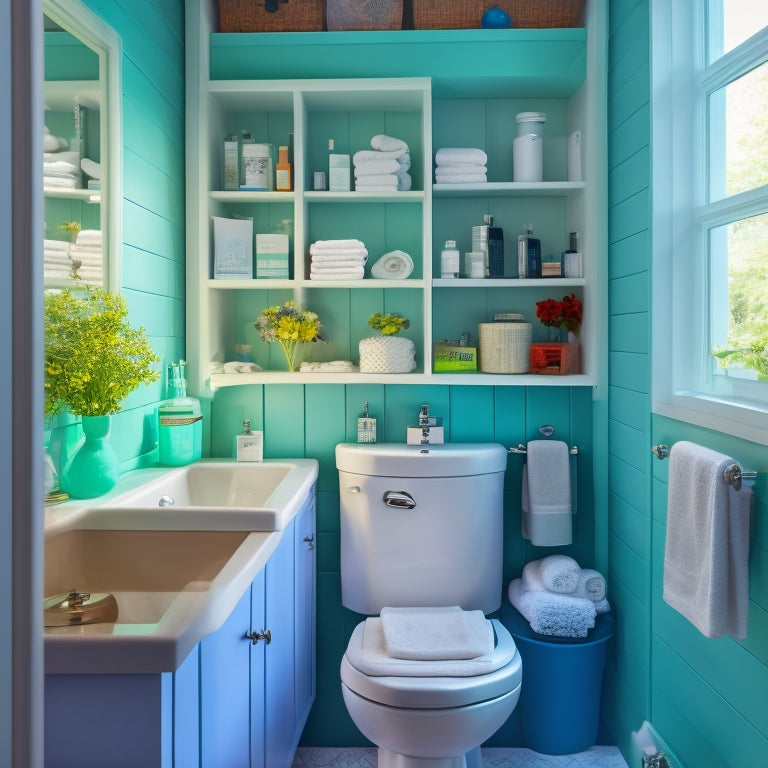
<point x="558" y="597"/>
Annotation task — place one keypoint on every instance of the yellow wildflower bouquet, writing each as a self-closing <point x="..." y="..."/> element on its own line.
<point x="289" y="325"/>
<point x="93" y="358"/>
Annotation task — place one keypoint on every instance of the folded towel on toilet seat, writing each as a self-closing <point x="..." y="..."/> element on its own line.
<point x="436" y="633"/>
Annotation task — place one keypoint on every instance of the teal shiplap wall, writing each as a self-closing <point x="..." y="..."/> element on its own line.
<point x="705" y="698"/>
<point x="153" y="251"/>
<point x="310" y="420"/>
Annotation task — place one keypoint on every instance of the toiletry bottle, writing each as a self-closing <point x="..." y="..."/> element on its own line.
<point x="283" y="171"/>
<point x="179" y="421"/>
<point x="480" y="245"/>
<point x="339" y="179"/>
<point x="522" y="250"/>
<point x="230" y="178"/>
<point x="250" y="445"/>
<point x="572" y="260"/>
<point x="495" y="249"/>
<point x="534" y="256"/>
<point x="449" y="260"/>
<point x="366" y="427"/>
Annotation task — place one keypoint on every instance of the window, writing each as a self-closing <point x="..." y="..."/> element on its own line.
<point x="710" y="213"/>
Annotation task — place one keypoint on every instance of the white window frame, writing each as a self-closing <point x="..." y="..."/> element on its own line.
<point x="682" y="384"/>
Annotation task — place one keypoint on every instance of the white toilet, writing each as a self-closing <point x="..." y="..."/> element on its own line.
<point x="421" y="527"/>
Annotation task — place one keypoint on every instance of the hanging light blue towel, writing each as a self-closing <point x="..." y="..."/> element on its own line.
<point x="546" y="494"/>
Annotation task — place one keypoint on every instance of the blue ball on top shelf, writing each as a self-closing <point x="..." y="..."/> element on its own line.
<point x="496" y="18"/>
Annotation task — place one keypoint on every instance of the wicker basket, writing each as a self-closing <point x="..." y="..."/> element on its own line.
<point x="467" y="14"/>
<point x="387" y="354"/>
<point x="504" y="346"/>
<point x="289" y="16"/>
<point x="364" y="14"/>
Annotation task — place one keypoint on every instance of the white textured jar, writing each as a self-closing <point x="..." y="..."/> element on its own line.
<point x="387" y="354"/>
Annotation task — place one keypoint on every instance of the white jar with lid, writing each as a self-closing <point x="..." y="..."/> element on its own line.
<point x="527" y="148"/>
<point x="449" y="260"/>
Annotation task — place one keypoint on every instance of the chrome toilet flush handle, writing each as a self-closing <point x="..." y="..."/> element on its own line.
<point x="400" y="499"/>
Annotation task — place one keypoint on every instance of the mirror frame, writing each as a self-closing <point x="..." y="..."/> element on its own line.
<point x="79" y="20"/>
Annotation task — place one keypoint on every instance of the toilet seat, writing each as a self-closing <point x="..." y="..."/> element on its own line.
<point x="431" y="692"/>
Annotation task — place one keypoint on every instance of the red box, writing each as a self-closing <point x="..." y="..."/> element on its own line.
<point x="555" y="358"/>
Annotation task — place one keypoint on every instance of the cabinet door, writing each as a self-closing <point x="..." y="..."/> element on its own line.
<point x="305" y="612"/>
<point x="258" y="654"/>
<point x="278" y="669"/>
<point x="225" y="692"/>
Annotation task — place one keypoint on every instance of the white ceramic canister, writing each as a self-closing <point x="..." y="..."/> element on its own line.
<point x="527" y="147"/>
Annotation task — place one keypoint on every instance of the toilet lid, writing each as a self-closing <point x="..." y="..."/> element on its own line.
<point x="430" y="684"/>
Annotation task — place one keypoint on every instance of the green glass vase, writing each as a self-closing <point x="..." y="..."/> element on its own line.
<point x="94" y="468"/>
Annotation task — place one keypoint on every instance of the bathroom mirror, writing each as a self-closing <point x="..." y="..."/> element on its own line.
<point x="82" y="145"/>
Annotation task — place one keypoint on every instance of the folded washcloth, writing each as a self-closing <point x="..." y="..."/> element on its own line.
<point x="395" y="265"/>
<point x="465" y="178"/>
<point x="350" y="274"/>
<point x="550" y="613"/>
<point x="591" y="585"/>
<point x="333" y="366"/>
<point x="386" y="143"/>
<point x="374" y="167"/>
<point x="436" y="633"/>
<point x="365" y="155"/>
<point x="556" y="573"/>
<point x="456" y="155"/>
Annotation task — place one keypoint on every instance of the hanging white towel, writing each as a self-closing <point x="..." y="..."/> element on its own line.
<point x="436" y="633"/>
<point x="707" y="542"/>
<point x="546" y="500"/>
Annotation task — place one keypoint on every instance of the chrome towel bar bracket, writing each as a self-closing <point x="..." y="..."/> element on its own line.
<point x="734" y="475"/>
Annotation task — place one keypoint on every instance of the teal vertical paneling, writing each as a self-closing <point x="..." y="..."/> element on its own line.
<point x="324" y="427"/>
<point x="479" y="427"/>
<point x="284" y="432"/>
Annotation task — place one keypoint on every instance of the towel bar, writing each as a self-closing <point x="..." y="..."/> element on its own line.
<point x="733" y="473"/>
<point x="521" y="448"/>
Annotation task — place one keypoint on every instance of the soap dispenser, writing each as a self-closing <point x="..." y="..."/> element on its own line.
<point x="180" y="422"/>
<point x="250" y="445"/>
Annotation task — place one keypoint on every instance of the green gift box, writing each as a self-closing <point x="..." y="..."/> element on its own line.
<point x="447" y="357"/>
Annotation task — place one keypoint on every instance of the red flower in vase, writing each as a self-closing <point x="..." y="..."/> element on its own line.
<point x="560" y="314"/>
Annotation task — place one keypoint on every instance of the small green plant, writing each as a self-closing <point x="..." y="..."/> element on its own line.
<point x="93" y="358"/>
<point x="388" y="324"/>
<point x="753" y="357"/>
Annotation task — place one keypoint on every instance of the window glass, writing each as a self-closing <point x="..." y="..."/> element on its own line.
<point x="738" y="135"/>
<point x="732" y="22"/>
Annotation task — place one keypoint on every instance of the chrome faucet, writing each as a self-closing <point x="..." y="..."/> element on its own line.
<point x="424" y="423"/>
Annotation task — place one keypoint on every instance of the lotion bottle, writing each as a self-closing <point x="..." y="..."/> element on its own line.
<point x="249" y="445"/>
<point x="449" y="260"/>
<point x="283" y="171"/>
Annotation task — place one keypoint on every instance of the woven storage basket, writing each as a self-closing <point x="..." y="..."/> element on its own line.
<point x="364" y="14"/>
<point x="504" y="345"/>
<point x="467" y="14"/>
<point x="290" y="16"/>
<point x="387" y="354"/>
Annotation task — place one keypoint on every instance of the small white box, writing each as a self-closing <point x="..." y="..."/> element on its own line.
<point x="339" y="179"/>
<point x="232" y="248"/>
<point x="415" y="436"/>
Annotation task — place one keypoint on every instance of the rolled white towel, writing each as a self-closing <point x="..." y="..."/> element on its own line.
<point x="559" y="573"/>
<point x="553" y="614"/>
<point x="386" y="143"/>
<point x="456" y="155"/>
<point x="591" y="585"/>
<point x="375" y="167"/>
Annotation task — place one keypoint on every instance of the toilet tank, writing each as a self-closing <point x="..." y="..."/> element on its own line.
<point x="421" y="525"/>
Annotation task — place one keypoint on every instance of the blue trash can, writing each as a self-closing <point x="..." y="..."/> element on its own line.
<point x="562" y="680"/>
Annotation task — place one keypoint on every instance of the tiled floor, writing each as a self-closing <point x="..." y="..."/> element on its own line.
<point x="595" y="757"/>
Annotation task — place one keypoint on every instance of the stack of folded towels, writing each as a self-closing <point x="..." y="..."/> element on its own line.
<point x="558" y="597"/>
<point x="56" y="262"/>
<point x="460" y="165"/>
<point x="61" y="168"/>
<point x="383" y="168"/>
<point x="337" y="260"/>
<point x="87" y="250"/>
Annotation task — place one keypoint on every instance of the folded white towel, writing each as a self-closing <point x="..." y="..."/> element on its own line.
<point x="351" y="274"/>
<point x="460" y="170"/>
<point x="550" y="613"/>
<point x="591" y="585"/>
<point x="59" y="167"/>
<point x="378" y="179"/>
<point x="546" y="498"/>
<point x="57" y="258"/>
<point x="55" y="245"/>
<point x="557" y="573"/>
<point x="395" y="265"/>
<point x="375" y="188"/>
<point x="336" y="265"/>
<point x="239" y="366"/>
<point x="332" y="366"/>
<point x="68" y="182"/>
<point x="707" y="542"/>
<point x="374" y="167"/>
<point x="467" y="178"/>
<point x="436" y="633"/>
<point x="386" y="143"/>
<point x="365" y="155"/>
<point x="455" y="155"/>
<point x="336" y="245"/>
